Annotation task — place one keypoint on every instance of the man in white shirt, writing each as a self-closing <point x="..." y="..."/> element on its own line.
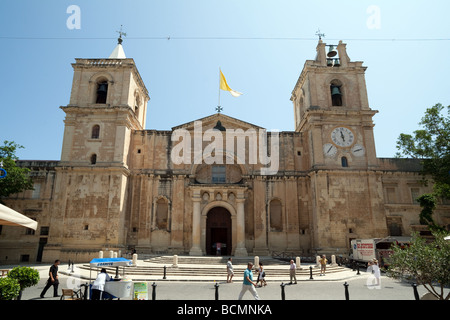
<point x="99" y="285"/>
<point x="292" y="268"/>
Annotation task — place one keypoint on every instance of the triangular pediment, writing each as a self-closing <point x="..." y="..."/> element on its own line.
<point x="218" y="121"/>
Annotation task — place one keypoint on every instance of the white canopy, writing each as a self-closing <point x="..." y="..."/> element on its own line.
<point x="9" y="217"/>
<point x="110" y="262"/>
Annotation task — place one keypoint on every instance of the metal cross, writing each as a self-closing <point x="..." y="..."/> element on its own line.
<point x="219" y="108"/>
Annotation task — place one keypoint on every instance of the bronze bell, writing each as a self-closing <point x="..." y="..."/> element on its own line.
<point x="335" y="90"/>
<point x="332" y="52"/>
<point x="102" y="87"/>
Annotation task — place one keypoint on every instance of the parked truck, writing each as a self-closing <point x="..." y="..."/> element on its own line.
<point x="365" y="250"/>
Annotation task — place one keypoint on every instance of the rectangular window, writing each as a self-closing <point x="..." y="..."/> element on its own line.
<point x="391" y="195"/>
<point x="415" y="193"/>
<point x="37" y="191"/>
<point x="44" y="231"/>
<point x="218" y="174"/>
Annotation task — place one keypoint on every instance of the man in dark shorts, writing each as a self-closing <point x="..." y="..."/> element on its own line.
<point x="52" y="280"/>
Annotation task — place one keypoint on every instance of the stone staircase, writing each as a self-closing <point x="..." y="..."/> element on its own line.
<point x="208" y="267"/>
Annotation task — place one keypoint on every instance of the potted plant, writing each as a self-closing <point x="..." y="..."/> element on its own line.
<point x="26" y="277"/>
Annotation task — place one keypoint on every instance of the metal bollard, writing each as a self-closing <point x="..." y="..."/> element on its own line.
<point x="217" y="291"/>
<point x="346" y="291"/>
<point x="283" y="296"/>
<point x="416" y="293"/>
<point x="357" y="269"/>
<point x="310" y="273"/>
<point x="154" y="291"/>
<point x="165" y="269"/>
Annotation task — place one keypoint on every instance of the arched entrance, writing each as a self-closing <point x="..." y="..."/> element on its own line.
<point x="218" y="232"/>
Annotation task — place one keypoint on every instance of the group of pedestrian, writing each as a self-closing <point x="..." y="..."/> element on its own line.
<point x="261" y="273"/>
<point x="98" y="287"/>
<point x="249" y="285"/>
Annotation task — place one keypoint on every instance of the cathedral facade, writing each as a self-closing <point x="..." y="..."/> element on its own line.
<point x="217" y="185"/>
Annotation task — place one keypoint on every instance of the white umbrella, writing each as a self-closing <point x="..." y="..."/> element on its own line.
<point x="9" y="217"/>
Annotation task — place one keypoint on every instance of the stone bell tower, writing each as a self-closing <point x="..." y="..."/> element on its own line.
<point x="331" y="106"/>
<point x="332" y="112"/>
<point x="107" y="102"/>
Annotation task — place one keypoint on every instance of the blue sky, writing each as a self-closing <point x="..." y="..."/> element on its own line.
<point x="182" y="74"/>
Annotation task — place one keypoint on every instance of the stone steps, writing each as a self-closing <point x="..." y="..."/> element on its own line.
<point x="210" y="266"/>
<point x="211" y="260"/>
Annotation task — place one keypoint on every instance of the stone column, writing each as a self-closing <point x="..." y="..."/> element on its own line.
<point x="196" y="226"/>
<point x="240" y="232"/>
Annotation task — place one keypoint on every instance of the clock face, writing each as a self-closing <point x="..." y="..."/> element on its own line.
<point x="358" y="150"/>
<point x="342" y="137"/>
<point x="329" y="149"/>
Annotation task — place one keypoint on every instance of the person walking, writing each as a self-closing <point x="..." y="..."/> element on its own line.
<point x="98" y="287"/>
<point x="292" y="275"/>
<point x="261" y="275"/>
<point x="52" y="280"/>
<point x="375" y="270"/>
<point x="230" y="271"/>
<point x="323" y="265"/>
<point x="248" y="283"/>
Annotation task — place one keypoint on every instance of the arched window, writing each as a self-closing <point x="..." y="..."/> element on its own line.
<point x="94" y="159"/>
<point x="137" y="102"/>
<point x="336" y="96"/>
<point x="344" y="162"/>
<point x="102" y="92"/>
<point x="276" y="217"/>
<point x="162" y="212"/>
<point x="336" y="93"/>
<point x="95" y="132"/>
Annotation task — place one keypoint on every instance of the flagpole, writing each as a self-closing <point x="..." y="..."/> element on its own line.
<point x="219" y="88"/>
<point x="218" y="106"/>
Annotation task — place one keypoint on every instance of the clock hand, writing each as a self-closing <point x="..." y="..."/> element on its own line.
<point x="342" y="136"/>
<point x="330" y="149"/>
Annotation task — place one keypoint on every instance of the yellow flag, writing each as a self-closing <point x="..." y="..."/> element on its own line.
<point x="224" y="86"/>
